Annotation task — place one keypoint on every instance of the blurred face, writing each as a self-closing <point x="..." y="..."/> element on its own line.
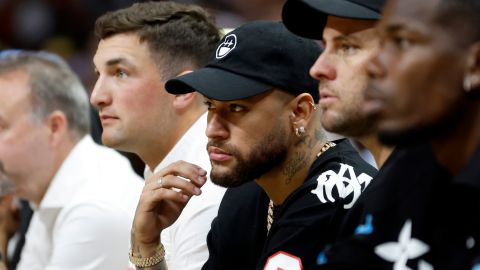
<point x="342" y="71"/>
<point x="25" y="153"/>
<point x="247" y="138"/>
<point x="134" y="108"/>
<point x="417" y="76"/>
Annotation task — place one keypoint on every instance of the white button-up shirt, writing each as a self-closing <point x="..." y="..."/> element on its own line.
<point x="84" y="219"/>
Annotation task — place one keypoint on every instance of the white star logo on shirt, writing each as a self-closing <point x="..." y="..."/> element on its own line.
<point x="405" y="249"/>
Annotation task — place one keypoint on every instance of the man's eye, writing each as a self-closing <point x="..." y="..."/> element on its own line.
<point x="402" y="42"/>
<point x="348" y="49"/>
<point x="121" y="74"/>
<point x="236" y="108"/>
<point x="209" y="105"/>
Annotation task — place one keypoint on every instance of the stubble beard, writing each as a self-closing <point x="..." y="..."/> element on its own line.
<point x="266" y="154"/>
<point x="350" y="123"/>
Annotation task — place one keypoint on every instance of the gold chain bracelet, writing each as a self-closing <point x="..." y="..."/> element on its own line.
<point x="153" y="260"/>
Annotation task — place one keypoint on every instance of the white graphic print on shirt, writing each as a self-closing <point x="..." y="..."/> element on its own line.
<point x="345" y="181"/>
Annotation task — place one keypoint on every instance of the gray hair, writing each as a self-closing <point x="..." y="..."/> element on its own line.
<point x="54" y="87"/>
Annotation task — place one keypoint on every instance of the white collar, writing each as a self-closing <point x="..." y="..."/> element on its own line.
<point x="70" y="176"/>
<point x="184" y="145"/>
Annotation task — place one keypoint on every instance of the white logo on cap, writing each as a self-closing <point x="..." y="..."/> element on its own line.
<point x="226" y="46"/>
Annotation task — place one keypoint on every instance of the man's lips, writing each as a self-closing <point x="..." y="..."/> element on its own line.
<point x="327" y="97"/>
<point x="326" y="93"/>
<point x="107" y="117"/>
<point x="217" y="154"/>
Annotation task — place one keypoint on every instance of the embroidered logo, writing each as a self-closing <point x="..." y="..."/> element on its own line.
<point x="345" y="181"/>
<point x="405" y="249"/>
<point x="226" y="46"/>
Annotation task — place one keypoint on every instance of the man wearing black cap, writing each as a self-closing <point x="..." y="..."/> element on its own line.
<point x="349" y="39"/>
<point x="263" y="125"/>
<point x="377" y="232"/>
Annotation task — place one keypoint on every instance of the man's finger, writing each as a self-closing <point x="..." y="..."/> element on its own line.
<point x="175" y="183"/>
<point x="186" y="170"/>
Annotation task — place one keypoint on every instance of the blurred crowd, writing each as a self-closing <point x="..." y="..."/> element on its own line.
<point x="65" y="27"/>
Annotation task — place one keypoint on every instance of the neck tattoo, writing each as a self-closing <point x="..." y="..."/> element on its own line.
<point x="271" y="206"/>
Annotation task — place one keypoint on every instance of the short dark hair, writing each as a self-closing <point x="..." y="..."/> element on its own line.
<point x="462" y="18"/>
<point x="179" y="36"/>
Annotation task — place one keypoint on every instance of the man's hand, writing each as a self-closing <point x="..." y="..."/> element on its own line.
<point x="163" y="198"/>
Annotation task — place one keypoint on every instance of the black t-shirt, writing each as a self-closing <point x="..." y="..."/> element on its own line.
<point x="413" y="216"/>
<point x="302" y="225"/>
<point x="235" y="240"/>
<point x="464" y="224"/>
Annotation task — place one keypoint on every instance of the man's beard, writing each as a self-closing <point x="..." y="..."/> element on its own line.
<point x="351" y="123"/>
<point x="268" y="153"/>
<point x="357" y="126"/>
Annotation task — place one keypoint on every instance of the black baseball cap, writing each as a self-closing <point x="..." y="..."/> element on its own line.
<point x="251" y="60"/>
<point x="307" y="18"/>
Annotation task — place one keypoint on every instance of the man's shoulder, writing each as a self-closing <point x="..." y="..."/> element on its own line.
<point x="106" y="181"/>
<point x="408" y="169"/>
<point x="339" y="175"/>
<point x="342" y="153"/>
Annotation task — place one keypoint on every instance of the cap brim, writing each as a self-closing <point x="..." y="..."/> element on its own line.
<point x="217" y="84"/>
<point x="307" y="18"/>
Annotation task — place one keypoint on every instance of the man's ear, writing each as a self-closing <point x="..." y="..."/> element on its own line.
<point x="303" y="109"/>
<point x="183" y="101"/>
<point x="471" y="79"/>
<point x="57" y="126"/>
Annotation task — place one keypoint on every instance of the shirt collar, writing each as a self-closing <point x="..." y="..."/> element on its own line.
<point x="183" y="145"/>
<point x="70" y="176"/>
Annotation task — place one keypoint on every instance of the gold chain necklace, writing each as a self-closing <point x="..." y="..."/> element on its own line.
<point x="271" y="206"/>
